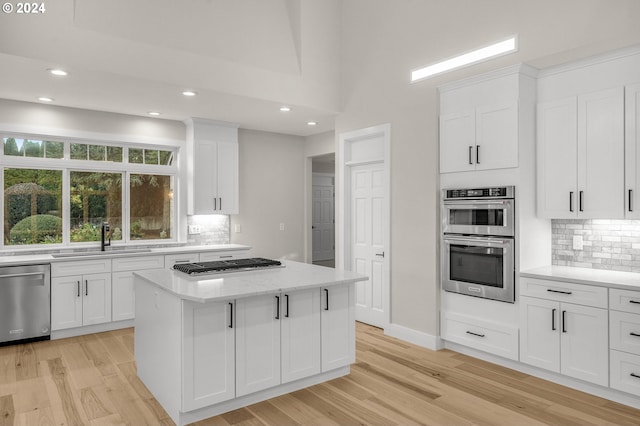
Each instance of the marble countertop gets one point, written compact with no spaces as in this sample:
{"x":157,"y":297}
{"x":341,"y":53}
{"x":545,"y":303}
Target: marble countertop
{"x":211,"y":288}
{"x":587,"y":276}
{"x":22,"y":259}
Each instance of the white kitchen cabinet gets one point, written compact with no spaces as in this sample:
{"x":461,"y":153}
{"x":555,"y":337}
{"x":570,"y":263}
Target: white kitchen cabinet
{"x":223,"y":255}
{"x":565,"y":338}
{"x":632,"y":151}
{"x":580,"y":156}
{"x":123,"y":293}
{"x":172,"y":259}
{"x":212,"y":151}
{"x":481,"y":139}
{"x":624,"y":323}
{"x":337,"y":326}
{"x":257,"y":326}
{"x":300,"y":334}
{"x":208,"y":342}
{"x":80,"y":300}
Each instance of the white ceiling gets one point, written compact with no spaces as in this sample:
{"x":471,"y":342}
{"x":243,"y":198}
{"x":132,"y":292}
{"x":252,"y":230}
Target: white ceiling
{"x":244,"y":58}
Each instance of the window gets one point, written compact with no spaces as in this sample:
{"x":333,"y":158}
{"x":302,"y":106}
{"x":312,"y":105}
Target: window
{"x":130,"y":187}
{"x":32,"y":206}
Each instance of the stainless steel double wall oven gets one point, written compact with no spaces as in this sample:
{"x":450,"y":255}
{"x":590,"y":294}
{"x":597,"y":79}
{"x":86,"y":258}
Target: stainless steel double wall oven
{"x":478,"y":246}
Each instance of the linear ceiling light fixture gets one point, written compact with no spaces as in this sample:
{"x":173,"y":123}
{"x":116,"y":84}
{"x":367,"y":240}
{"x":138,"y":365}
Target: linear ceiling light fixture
{"x":497,"y":49}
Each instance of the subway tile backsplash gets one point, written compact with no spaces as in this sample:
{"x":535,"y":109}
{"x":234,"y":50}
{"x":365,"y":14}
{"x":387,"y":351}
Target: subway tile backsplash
{"x":214,"y":229}
{"x":607,"y":244}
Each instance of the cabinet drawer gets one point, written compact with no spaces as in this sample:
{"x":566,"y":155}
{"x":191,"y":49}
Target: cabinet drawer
{"x":172,"y":259}
{"x":479,"y":334}
{"x":625,"y":372}
{"x":65,"y":269}
{"x":138,"y":263}
{"x":624,"y":300}
{"x":624,"y":331}
{"x":222,"y":255}
{"x":579,"y":294}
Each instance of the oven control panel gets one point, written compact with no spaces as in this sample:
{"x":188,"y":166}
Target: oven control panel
{"x":493,"y":192}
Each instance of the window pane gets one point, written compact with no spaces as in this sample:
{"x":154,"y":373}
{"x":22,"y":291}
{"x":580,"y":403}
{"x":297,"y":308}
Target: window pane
{"x":95,"y":198}
{"x":97,"y":152}
{"x":135,"y":156}
{"x":166,"y":158}
{"x":78,"y":151}
{"x":54,"y":149}
{"x":114,"y":153}
{"x":13,"y":147}
{"x":32,"y":202}
{"x":33,"y":148}
{"x":150,"y":156}
{"x":151,"y":207}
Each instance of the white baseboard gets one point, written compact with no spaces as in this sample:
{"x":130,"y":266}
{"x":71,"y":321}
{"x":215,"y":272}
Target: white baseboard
{"x":418,"y":338}
{"x":88,"y":329}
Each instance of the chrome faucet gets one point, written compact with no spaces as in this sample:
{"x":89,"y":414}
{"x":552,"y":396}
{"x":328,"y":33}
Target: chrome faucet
{"x":105,"y":229}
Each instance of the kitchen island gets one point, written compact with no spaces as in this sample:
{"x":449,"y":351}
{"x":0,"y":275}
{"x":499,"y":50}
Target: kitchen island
{"x":209,"y":344}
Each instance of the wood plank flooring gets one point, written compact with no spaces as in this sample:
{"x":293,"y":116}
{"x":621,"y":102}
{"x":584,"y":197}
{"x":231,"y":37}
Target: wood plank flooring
{"x":91,"y":380}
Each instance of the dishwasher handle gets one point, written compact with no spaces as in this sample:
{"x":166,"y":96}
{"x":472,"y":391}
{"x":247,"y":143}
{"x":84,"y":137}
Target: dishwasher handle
{"x":23,"y":274}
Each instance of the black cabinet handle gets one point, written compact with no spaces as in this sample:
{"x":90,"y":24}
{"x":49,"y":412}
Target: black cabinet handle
{"x":220,"y":203}
{"x":635,"y":375}
{"x":326,"y":292}
{"x":634,"y":302}
{"x":230,"y":315}
{"x":477,"y":154}
{"x":78,"y":288}
{"x":634,"y":334}
{"x":277,"y":307}
{"x":553,"y":319}
{"x":470,"y":149}
{"x":475,"y":334}
{"x":86,"y":287}
{"x":564,"y":321}
{"x":571,"y":201}
{"x":630,"y":200}
{"x":558,"y":291}
{"x":215,"y":203}
{"x":286,"y":304}
{"x":581,"y":207}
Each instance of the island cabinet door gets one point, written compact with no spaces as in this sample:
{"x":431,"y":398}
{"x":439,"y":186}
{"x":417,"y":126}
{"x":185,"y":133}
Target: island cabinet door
{"x":257,"y":343}
{"x":300,"y":334}
{"x":337,"y":324}
{"x":208,"y":354}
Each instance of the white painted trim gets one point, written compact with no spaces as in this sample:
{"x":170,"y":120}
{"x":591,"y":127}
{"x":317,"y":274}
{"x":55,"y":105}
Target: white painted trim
{"x":89,"y":329}
{"x":502,"y":72}
{"x":591,"y":60}
{"x":601,"y":391}
{"x":343,"y":252}
{"x":415,"y":337}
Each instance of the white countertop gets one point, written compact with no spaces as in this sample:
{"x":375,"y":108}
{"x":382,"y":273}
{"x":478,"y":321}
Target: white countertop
{"x":588,"y":276}
{"x":22,"y":259}
{"x":211,"y":288}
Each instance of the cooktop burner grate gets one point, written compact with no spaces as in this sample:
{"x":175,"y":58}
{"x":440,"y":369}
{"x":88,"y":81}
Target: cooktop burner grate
{"x":231,"y":265}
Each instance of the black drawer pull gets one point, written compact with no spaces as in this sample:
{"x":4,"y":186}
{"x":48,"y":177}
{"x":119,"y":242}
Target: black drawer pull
{"x":635,"y":302}
{"x":475,"y":334}
{"x":558,"y":291}
{"x":635,"y":375}
{"x":634,"y":334}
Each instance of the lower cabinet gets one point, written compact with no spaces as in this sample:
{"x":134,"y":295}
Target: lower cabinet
{"x":79,"y":300}
{"x":337,"y":327}
{"x":122,"y":283}
{"x":624,"y":330}
{"x":566,"y":338}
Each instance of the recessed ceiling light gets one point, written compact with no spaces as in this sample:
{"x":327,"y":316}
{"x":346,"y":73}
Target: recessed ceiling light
{"x":189,"y":93}
{"x":57,"y":71}
{"x":497,"y":49}
{"x":45,"y":99}
{"x":285,"y":109}
{"x":154,"y":113}
{"x":311,"y":123}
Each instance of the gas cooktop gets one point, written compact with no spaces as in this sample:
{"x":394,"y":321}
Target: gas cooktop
{"x":232,"y":265}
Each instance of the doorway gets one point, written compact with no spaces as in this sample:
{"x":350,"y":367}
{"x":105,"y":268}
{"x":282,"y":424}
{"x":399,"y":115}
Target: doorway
{"x":323,"y":210}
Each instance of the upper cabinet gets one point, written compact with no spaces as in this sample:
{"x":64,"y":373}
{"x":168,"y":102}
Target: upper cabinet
{"x":587,"y":142}
{"x":479,"y":121}
{"x":212,"y":172}
{"x":580,"y":154}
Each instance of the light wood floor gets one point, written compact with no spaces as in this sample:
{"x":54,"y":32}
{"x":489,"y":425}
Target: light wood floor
{"x":92,"y":380}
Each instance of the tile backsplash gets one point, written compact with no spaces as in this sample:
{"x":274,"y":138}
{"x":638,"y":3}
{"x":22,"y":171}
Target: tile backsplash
{"x":607,"y":244}
{"x":214,"y":229}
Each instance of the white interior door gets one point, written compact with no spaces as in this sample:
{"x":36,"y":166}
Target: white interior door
{"x":368,"y":240}
{"x":323,"y":225}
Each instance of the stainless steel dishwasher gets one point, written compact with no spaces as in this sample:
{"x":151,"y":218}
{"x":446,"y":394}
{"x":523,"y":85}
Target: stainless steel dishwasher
{"x":25,"y":303}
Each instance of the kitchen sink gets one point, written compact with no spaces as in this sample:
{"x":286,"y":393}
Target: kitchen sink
{"x":99,"y":253}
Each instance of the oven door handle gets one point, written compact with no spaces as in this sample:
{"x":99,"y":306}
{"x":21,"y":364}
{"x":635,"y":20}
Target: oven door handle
{"x":476,"y":204}
{"x":475,"y":240}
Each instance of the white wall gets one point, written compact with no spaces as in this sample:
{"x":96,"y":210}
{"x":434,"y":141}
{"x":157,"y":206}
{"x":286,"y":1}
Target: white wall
{"x":271,"y":192}
{"x":382,"y":41}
